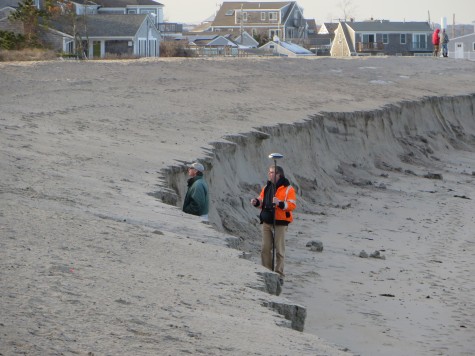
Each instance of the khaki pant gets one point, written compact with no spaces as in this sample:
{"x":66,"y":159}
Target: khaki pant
{"x":266,"y":252}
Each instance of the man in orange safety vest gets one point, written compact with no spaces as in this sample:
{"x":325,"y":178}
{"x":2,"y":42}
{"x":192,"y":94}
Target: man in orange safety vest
{"x":277,"y":203}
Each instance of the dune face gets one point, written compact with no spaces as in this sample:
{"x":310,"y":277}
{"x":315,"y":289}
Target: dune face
{"x":387,"y":183}
{"x":97,"y":257}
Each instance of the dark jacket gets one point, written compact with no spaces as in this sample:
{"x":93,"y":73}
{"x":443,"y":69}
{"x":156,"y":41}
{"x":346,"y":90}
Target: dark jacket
{"x":196,"y":198}
{"x":444,"y":38}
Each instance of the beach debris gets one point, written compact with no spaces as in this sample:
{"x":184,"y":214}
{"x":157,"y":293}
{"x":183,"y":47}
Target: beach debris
{"x":245,"y":255}
{"x":315,"y":245}
{"x":375,"y":254}
{"x":462,"y":197}
{"x":433,"y":176}
{"x":387,"y":295}
{"x":363,"y":254}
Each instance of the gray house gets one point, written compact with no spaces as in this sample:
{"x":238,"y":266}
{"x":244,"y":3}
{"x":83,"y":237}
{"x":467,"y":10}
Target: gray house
{"x":462,"y":47}
{"x":383,"y":38}
{"x":106,"y":35}
{"x":283,"y":19}
{"x":154,"y":8}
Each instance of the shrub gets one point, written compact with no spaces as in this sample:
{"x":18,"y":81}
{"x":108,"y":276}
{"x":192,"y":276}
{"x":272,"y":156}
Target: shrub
{"x":10,"y":40}
{"x":27,"y":54}
{"x":175,"y":49}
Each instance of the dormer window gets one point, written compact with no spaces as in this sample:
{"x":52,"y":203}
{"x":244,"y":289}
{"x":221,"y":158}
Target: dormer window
{"x":241,"y":16}
{"x":229,"y":13}
{"x":273,"y":16}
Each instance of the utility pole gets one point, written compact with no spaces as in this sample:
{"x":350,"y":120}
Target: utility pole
{"x":241,"y":25}
{"x":453,"y":25}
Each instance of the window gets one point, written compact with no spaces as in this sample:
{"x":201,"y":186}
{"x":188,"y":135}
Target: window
{"x":385,"y":38}
{"x":403,"y":38}
{"x":244,"y":16}
{"x":473,"y":46}
{"x":229,"y":13}
{"x":68,"y":46}
{"x":273,"y":16}
{"x":273,"y":33}
{"x":142,"y":49}
{"x":263,"y":16}
{"x":419,"y":41}
{"x":152,"y":48}
{"x":368,"y":38}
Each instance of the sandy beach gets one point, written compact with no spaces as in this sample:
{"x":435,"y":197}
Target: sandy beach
{"x":97,"y":257}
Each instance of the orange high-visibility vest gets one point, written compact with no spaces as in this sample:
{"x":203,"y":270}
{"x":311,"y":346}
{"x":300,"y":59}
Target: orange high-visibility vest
{"x":287,"y":195}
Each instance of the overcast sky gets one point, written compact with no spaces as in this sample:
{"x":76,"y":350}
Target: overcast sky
{"x":195,"y":11}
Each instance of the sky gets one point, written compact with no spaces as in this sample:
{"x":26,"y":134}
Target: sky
{"x":195,"y":11}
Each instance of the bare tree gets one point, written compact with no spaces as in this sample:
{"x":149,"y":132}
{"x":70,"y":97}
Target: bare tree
{"x":66,"y":10}
{"x":30,"y":17}
{"x":348,"y":9}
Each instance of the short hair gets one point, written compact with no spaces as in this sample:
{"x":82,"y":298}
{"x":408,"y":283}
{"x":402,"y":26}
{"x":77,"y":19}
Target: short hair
{"x":278,"y":170}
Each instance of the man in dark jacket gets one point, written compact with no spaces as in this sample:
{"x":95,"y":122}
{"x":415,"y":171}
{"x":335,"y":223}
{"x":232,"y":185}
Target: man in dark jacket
{"x":444,"y":40}
{"x":196,"y":198}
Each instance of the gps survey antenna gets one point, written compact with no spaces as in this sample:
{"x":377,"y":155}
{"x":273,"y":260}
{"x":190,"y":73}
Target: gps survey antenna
{"x":275,"y":157}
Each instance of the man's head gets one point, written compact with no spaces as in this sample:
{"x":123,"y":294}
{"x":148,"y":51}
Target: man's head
{"x":195,"y":169}
{"x":279,"y":173}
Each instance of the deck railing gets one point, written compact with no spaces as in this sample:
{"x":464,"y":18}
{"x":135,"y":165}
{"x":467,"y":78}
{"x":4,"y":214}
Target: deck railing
{"x":369,"y":46}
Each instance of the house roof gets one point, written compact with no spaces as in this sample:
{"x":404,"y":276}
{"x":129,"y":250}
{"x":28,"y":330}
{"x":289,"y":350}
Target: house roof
{"x":295,"y":48}
{"x":290,"y":48}
{"x":348,"y":40}
{"x":222,"y":19}
{"x":201,"y":27}
{"x":386,"y":26}
{"x":311,"y":23}
{"x":9,"y":3}
{"x":324,"y":39}
{"x":125,"y":3}
{"x":6,"y":11}
{"x":467,"y":36}
{"x":102,"y":25}
{"x":330,"y":27}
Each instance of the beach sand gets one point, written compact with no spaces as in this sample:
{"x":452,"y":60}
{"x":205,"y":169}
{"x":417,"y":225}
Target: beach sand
{"x":93,"y":263}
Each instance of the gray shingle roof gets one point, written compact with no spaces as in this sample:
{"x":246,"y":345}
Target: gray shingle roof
{"x":385,"y":26}
{"x":9,"y":3}
{"x":124,"y":3}
{"x":102,"y":25}
{"x":222,"y":19}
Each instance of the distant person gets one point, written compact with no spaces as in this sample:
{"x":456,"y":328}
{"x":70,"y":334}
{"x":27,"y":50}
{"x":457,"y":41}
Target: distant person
{"x":276,"y":202}
{"x":436,"y":42}
{"x":196,"y":198}
{"x":444,"y":40}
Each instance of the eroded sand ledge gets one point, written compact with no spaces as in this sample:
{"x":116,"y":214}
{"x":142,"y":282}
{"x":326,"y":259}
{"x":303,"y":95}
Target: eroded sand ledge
{"x":332,"y":150}
{"x":325,"y":150}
